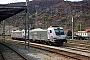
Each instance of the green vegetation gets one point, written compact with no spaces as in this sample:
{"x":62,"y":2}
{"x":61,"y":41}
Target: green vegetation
{"x":6,"y":37}
{"x":78,"y":27}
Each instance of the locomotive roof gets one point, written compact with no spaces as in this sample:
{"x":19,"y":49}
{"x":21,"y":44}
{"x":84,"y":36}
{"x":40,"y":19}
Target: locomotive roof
{"x":56,"y":27}
{"x":17,"y":31}
{"x":38,"y":29}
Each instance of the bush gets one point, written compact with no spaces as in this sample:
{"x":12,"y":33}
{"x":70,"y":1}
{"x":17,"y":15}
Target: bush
{"x":80,"y":37}
{"x":69,"y":33}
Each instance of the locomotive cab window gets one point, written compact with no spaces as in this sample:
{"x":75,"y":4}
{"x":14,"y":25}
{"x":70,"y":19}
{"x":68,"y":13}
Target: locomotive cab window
{"x":59,"y":31}
{"x":50,"y":31}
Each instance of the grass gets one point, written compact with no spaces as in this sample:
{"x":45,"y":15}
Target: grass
{"x":6,"y":37}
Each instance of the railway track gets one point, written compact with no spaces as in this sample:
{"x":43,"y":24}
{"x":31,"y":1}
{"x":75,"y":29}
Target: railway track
{"x":60,"y":51}
{"x":63,"y":52}
{"x":77,"y":48}
{"x":17,"y":55}
{"x":2,"y":56}
{"x":80,"y":43}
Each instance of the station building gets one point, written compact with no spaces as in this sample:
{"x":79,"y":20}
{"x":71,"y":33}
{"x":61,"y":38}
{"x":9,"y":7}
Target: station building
{"x":85,"y":33}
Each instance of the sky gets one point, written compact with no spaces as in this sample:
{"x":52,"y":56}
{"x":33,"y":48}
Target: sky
{"x":13,"y":1}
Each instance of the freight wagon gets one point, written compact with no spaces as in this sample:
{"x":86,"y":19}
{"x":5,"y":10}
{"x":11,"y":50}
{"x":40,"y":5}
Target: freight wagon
{"x":18,"y":34}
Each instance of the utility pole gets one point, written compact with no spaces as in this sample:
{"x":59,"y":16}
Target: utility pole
{"x":80,"y":27}
{"x":72,"y":28}
{"x":27,"y":18}
{"x":3,"y":31}
{"x":36,"y":14}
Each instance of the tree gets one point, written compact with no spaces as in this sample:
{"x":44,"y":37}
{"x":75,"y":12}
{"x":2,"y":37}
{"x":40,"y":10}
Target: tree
{"x":78,"y":27}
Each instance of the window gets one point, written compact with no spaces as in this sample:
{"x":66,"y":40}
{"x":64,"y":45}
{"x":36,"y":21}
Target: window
{"x":59,"y":31}
{"x":85,"y":33}
{"x":50,"y":31}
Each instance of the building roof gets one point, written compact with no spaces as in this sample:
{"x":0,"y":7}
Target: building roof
{"x":87,"y":30}
{"x":7,"y":11}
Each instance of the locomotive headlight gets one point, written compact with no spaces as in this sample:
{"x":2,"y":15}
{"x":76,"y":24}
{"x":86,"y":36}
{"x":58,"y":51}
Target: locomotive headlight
{"x":54,"y":38}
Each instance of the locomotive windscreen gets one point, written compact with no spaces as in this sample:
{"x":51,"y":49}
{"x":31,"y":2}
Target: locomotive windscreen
{"x":59,"y":31}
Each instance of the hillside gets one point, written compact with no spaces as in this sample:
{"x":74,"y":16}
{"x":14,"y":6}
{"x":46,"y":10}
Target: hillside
{"x":53,"y":12}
